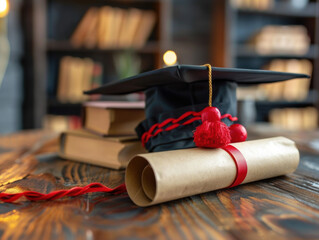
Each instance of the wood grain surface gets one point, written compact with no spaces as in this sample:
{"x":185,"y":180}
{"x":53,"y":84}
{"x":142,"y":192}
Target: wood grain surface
{"x":280,"y":208}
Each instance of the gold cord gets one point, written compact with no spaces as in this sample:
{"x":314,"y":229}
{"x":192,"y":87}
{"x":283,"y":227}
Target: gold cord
{"x":210,"y":83}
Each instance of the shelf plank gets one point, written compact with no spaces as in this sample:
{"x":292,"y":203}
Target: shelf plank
{"x":284,"y":104}
{"x":249,"y":51}
{"x":56,"y":107}
{"x":284,"y":10}
{"x":65,"y":46}
{"x":263,"y":108}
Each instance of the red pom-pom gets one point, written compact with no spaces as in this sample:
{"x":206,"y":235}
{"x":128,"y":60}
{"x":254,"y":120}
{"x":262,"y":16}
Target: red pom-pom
{"x":238,"y":133}
{"x":212,"y":135}
{"x":211,"y":114}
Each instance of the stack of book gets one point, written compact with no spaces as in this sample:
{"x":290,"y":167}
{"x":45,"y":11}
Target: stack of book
{"x":77,"y":75}
{"x":107,"y":137}
{"x":109,"y":27}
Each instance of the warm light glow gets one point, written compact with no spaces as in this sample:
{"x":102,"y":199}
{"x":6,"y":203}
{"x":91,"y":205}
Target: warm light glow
{"x":4,"y":8}
{"x":169,"y":57}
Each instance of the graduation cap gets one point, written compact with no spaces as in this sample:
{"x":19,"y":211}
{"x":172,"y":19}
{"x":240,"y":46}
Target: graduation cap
{"x":177,"y":96}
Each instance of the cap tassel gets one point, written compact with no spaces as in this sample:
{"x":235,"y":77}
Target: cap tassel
{"x":238,"y":133}
{"x":213,"y":133}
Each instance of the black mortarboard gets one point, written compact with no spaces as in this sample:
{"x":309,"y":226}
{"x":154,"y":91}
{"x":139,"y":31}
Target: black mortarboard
{"x":172,"y":91}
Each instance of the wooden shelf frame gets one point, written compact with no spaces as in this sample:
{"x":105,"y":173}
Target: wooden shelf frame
{"x":227,"y":50}
{"x":284,"y":9}
{"x":249,"y":51}
{"x":65,"y":46}
{"x":39,"y":50}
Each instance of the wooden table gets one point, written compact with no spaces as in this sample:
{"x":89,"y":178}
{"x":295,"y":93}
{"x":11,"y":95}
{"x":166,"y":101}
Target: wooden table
{"x":280,"y":208}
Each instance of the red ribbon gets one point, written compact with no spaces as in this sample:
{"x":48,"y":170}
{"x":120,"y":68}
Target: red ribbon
{"x":73,"y":192}
{"x":239,"y":159}
{"x":159,"y":127}
{"x":240,"y":162}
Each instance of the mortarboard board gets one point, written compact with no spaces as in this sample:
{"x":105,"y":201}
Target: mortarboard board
{"x":175,"y":95}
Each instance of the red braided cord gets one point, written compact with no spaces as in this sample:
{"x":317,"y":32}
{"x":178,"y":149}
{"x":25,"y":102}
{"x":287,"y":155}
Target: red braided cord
{"x":230,"y":117}
{"x":160,"y":126}
{"x":73,"y":192}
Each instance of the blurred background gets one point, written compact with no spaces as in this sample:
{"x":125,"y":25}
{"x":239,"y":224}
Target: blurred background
{"x":52,"y":50}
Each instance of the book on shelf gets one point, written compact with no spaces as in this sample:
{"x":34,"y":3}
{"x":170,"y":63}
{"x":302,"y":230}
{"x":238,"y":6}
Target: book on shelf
{"x":282,"y":39}
{"x":87,"y":23}
{"x":63,"y":83}
{"x":144,"y":30}
{"x":295,"y":118}
{"x":129,"y":27}
{"x":263,"y":5}
{"x":253,"y":4}
{"x":106,"y":25}
{"x":110,"y":118}
{"x":274,"y":91}
{"x":75,"y":76}
{"x":111,"y":152}
{"x":292,"y":90}
{"x":96,"y":79}
{"x":109,"y":27}
{"x":297,"y":89}
{"x":119,"y":16}
{"x":58,"y":123}
{"x":90,"y":38}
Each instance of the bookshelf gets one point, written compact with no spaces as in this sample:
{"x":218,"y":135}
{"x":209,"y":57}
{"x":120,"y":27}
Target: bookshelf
{"x":152,"y":47}
{"x":234,"y":27}
{"x":284,"y":9}
{"x":50,"y":25}
{"x":244,"y":51}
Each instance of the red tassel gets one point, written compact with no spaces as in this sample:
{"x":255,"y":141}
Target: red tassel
{"x":211,"y":114}
{"x":238,"y":133}
{"x":212,"y":133}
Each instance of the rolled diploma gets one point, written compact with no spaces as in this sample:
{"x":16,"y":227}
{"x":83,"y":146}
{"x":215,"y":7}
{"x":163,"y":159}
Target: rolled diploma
{"x":154,"y":178}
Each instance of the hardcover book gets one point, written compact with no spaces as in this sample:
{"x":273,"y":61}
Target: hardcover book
{"x":112,"y":118}
{"x":111,"y":152}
